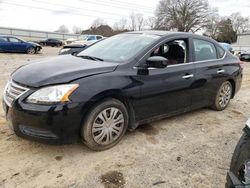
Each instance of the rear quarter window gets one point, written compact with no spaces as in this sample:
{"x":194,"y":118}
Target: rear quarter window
{"x":221,"y":52}
{"x":3,"y":39}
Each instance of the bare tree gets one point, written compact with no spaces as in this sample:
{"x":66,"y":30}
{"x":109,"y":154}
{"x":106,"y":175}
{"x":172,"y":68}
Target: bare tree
{"x":136,"y":22}
{"x":132,"y":19}
{"x":240,"y":24}
{"x":62,"y":29}
{"x":98,"y":22}
{"x":121,"y":25}
{"x":139,"y":21}
{"x":212,"y":24}
{"x":76,"y":30}
{"x":150,"y":23}
{"x":182,"y":15}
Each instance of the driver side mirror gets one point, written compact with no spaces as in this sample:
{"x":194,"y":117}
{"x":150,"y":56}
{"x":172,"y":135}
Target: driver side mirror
{"x":157,"y":62}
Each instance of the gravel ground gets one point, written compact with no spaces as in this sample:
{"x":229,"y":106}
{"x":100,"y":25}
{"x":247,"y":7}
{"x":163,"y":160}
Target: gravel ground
{"x":189,"y":150}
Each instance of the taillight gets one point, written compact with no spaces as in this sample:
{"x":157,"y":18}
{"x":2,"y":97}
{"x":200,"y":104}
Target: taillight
{"x":241,"y":64}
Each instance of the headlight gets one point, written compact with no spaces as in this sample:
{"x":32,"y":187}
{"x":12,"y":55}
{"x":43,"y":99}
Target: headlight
{"x":52,"y":94}
{"x":64,"y":50}
{"x":248,"y":123}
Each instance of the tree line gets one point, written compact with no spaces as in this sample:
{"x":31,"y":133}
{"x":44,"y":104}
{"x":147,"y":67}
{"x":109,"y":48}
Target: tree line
{"x":176,"y":15}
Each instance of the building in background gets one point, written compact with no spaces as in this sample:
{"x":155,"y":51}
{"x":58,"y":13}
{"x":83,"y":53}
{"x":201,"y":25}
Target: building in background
{"x":243,"y":42}
{"x":31,"y":35}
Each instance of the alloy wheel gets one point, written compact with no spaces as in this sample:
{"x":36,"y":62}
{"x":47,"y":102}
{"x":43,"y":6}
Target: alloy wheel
{"x":225,"y":95}
{"x":31,"y":51}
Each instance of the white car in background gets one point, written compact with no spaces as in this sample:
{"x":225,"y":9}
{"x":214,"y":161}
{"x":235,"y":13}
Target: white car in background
{"x":85,"y":39}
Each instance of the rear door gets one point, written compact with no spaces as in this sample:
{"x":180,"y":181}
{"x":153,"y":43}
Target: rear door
{"x":210,"y":71}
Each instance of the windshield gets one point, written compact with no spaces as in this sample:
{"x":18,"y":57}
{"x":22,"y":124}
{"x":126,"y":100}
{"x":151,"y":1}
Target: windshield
{"x":120,"y":48}
{"x":83,"y":37}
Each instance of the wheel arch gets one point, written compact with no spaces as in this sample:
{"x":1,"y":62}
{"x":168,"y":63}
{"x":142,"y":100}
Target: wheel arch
{"x":233,"y":87}
{"x":115,"y":94}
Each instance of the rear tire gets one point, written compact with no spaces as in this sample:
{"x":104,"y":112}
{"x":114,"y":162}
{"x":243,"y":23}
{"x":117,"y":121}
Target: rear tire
{"x":105,"y":125}
{"x":223,"y":96}
{"x":240,"y":155}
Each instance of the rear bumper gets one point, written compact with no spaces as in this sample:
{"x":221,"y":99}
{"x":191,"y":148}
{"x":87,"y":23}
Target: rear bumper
{"x":59,"y":124}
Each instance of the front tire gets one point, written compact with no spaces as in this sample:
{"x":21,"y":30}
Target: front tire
{"x":105,"y":125}
{"x":31,"y":50}
{"x":223,"y":96}
{"x":240,"y":155}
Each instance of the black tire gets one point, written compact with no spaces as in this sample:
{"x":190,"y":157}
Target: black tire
{"x":216,"y":103}
{"x":240,"y":155}
{"x":31,"y":50}
{"x":87,"y":133}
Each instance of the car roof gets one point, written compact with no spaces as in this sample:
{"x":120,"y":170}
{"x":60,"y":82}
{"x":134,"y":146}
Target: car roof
{"x":161,"y":33}
{"x":164,"y":34}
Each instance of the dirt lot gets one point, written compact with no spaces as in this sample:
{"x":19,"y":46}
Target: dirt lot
{"x":190,"y":150}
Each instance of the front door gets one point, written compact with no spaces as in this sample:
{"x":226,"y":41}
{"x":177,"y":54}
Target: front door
{"x":167,"y":91}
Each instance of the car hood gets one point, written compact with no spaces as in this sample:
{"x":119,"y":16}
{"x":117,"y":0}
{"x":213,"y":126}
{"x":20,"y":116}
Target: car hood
{"x":58,"y":70}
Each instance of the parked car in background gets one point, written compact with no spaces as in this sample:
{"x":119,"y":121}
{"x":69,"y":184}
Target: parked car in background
{"x":117,"y":84}
{"x":239,"y":173}
{"x":226,"y":46}
{"x":245,"y":56}
{"x":72,"y":49}
{"x":51,"y":42}
{"x":91,"y":37}
{"x":75,"y":49}
{"x":86,"y":39}
{"x":14,"y":44}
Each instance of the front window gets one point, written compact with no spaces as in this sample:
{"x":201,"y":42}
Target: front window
{"x":175,"y":51}
{"x":120,"y":48}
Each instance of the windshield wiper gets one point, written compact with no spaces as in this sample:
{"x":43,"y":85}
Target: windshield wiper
{"x":91,"y":58}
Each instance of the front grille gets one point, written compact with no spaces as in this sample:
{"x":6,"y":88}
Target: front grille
{"x":12,"y":92}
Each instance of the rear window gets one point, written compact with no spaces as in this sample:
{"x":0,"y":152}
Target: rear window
{"x":204,"y":50}
{"x":3,"y":39}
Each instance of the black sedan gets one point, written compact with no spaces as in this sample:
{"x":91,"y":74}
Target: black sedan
{"x":51,"y":42}
{"x":15,"y":44}
{"x":245,"y":57}
{"x":118,"y":84}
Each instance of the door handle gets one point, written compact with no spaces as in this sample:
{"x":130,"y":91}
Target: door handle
{"x":220,"y":71}
{"x":188,"y":76}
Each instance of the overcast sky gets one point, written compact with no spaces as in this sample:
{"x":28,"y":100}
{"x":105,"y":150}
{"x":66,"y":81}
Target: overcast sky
{"x":48,"y":15}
